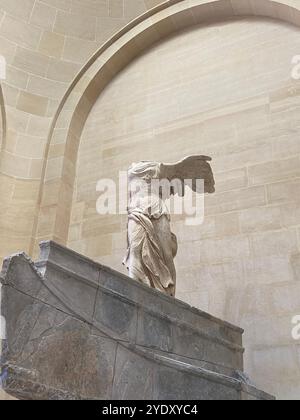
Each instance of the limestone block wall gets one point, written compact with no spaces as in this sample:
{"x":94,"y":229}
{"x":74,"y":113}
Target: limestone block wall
{"x":224,"y":90}
{"x":45,"y":43}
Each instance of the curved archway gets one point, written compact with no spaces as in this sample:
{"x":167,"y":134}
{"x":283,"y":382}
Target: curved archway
{"x":59,"y":168}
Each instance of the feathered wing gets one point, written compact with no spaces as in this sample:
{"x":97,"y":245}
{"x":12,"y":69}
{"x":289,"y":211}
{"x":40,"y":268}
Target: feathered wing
{"x":196,"y":168}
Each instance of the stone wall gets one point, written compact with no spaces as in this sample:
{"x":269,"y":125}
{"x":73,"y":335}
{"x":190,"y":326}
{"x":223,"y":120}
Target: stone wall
{"x":105,"y":336}
{"x":249,"y":269}
{"x":45,"y":44}
{"x":225,"y":91}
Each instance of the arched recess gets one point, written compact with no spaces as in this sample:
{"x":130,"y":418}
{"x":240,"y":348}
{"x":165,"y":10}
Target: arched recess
{"x":59,"y":171}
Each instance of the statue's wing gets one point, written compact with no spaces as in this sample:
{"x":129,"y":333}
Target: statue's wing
{"x":195,"y":168}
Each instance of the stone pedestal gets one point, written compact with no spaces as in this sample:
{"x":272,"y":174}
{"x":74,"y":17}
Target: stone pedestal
{"x":79,"y":330}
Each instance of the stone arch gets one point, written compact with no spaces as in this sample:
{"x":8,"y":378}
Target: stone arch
{"x":59,"y":170}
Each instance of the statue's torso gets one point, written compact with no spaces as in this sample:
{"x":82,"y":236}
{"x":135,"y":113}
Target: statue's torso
{"x":143,"y":197}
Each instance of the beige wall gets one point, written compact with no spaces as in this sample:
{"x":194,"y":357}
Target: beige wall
{"x":226,"y":91}
{"x":45,"y":43}
{"x":250,"y":232}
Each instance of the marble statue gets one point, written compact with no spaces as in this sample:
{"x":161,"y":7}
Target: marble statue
{"x":152,"y":246}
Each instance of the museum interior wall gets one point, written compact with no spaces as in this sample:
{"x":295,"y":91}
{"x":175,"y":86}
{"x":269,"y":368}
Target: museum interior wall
{"x":223,"y":89}
{"x":45,"y":44}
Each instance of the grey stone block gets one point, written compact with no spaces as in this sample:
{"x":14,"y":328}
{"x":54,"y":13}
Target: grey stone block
{"x":78,"y":330}
{"x":217,"y":368}
{"x":21,"y":313}
{"x":98,"y":366}
{"x":21,"y":385}
{"x":119,"y":284}
{"x":115,"y":316}
{"x":192,"y":343}
{"x":20,"y":273}
{"x":155,"y":332}
{"x":211,"y":326}
{"x":57,"y":255}
{"x":134,"y":376}
{"x":57,"y":357}
{"x":176,"y":385}
{"x":77,"y":295}
{"x":50,"y":296}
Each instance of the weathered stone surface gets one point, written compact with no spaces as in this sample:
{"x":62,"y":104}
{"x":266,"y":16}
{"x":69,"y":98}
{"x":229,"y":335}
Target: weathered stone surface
{"x":134,"y":376}
{"x":78,"y":294}
{"x":22,"y":274}
{"x":22,"y":312}
{"x":176,"y":385}
{"x":57,"y":357}
{"x":115,"y":315}
{"x":191,"y":343}
{"x":118,"y":283}
{"x":155,"y":332}
{"x":98,"y":368}
{"x":69,"y":337}
{"x":63,"y":258}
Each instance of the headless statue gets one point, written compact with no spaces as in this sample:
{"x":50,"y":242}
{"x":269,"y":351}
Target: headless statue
{"x":152,"y":246}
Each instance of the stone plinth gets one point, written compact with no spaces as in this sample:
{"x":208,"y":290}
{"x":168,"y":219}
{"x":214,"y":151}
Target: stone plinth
{"x":79,"y":330}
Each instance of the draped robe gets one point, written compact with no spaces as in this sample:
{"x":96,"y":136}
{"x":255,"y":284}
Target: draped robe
{"x":152,"y":246}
